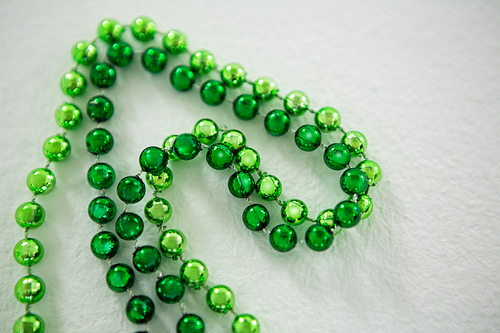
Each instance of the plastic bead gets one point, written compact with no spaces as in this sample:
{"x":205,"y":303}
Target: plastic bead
{"x":129,"y":226}
{"x":99,"y":141}
{"x":319,"y":237}
{"x":153,"y":160}
{"x":110,"y":30}
{"x":154,"y":60}
{"x":104,"y":245}
{"x":256,"y":217}
{"x":347,"y":214}
{"x":213,"y":92}
{"x":186,"y":146}
{"x":220,"y":299}
{"x":219,"y":156}
{"x":206,"y":130}
{"x":283,"y":238}
{"x":245,"y":323}
{"x":101,"y":175}
{"x":131,"y":189}
{"x":102,"y":75}
{"x":169,"y":289}
{"x":233,"y":75}
{"x":157,"y":211}
{"x":326,"y":217}
{"x":190,"y":323}
{"x":28,"y":252}
{"x":73,"y":84}
{"x":246,"y":106}
{"x":146,"y":259}
{"x":29,"y":323}
{"x":265,"y":89}
{"x":41,"y":181}
{"x":355,"y":141}
{"x":337,"y":156}
{"x":102,"y":210}
{"x":84,"y":53}
{"x":268,"y":187}
{"x":247,"y":159}
{"x":277,"y":122}
{"x":120,"y":278}
{"x":354,"y":181}
{"x":175,"y":42}
{"x":30,"y":215}
{"x":140,"y":309}
{"x":327,"y":119}
{"x":294,"y":212}
{"x":372,"y":171}
{"x":172,"y":243}
{"x":161,"y":181}
{"x":182,"y":78}
{"x":233,"y":138}
{"x":68,"y":116}
{"x":202,"y":62}
{"x":168,"y":145}
{"x":120,"y":54}
{"x":194,"y":273}
{"x":308,"y":137}
{"x":296,"y":103}
{"x":365,"y":203}
{"x":241,"y":184}
{"x":143,"y":29}
{"x":100,"y":108}
{"x":29,"y":289}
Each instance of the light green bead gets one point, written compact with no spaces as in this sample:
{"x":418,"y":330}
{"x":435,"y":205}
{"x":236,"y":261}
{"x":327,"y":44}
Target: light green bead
{"x":233,"y":75}
{"x":294,"y":212}
{"x":355,"y":141}
{"x":194,"y":273}
{"x":161,"y":181}
{"x":157,"y":211}
{"x":202,"y":62}
{"x":41,"y":181}
{"x":29,"y":323}
{"x":327,"y":119}
{"x":247,"y":159}
{"x":68,"y":116}
{"x":30,"y":215}
{"x":268,"y":187}
{"x":56,"y":148}
{"x":84,"y":53}
{"x":143,"y":29}
{"x":175,"y":42}
{"x":233,"y":138}
{"x":29,"y":289}
{"x":365,"y":203}
{"x":73,"y":84}
{"x":110,"y":30}
{"x":372,"y":170}
{"x":172,"y":243}
{"x":326,"y":217}
{"x":245,"y":323}
{"x":296,"y":103}
{"x":206,"y":130}
{"x":220,"y":299}
{"x":28,"y":252}
{"x":168,"y":144}
{"x":265,"y":89}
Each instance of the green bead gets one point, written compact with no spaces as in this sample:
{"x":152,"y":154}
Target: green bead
{"x":308,"y":137}
{"x":268,"y":187}
{"x":365,"y":203}
{"x":277,"y":122}
{"x":354,"y":181}
{"x":233,"y":138}
{"x":327,"y":119}
{"x":102,"y":75}
{"x":29,"y":323}
{"x":347,"y":214}
{"x":140,"y":309}
{"x":372,"y":171}
{"x":213,"y":92}
{"x":73,"y":84}
{"x":219,"y":156}
{"x":143,"y":29}
{"x":131,"y":189}
{"x":104,"y":245}
{"x":120,"y":278}
{"x":256,"y":217}
{"x":327,"y":218}
{"x":245,"y":323}
{"x":190,"y":323}
{"x":206,"y":130}
{"x":129,"y":226}
{"x":68,"y":116}
{"x":172,"y":243}
{"x":29,"y":289}
{"x":169,"y":289}
{"x":194,"y":273}
{"x":220,"y":299}
{"x":246,"y":106}
{"x":182,"y":78}
{"x":241,"y":184}
{"x":99,"y":141}
{"x":154,"y":60}
{"x":84,"y":53}
{"x":294,"y":212}
{"x":41,"y":181}
{"x":202,"y":62}
{"x":153,"y":160}
{"x":100,"y":176}
{"x":319,"y":237}
{"x":265,"y":89}
{"x":296,"y":103}
{"x":30,"y":215}
{"x":233,"y":75}
{"x":100,"y":108}
{"x":146,"y":259}
{"x":186,"y":146}
{"x":247,"y":159}
{"x":102,"y":210}
{"x":161,"y":181}
{"x":168,"y":144}
{"x":110,"y":30}
{"x":157,"y":211}
{"x":355,"y":141}
{"x":28,"y":252}
{"x":175,"y":42}
{"x":337,"y":156}
{"x":120,"y":54}
{"x":283,"y":238}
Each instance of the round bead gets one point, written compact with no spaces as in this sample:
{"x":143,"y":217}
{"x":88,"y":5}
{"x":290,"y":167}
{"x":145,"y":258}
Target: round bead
{"x":365,"y":203}
{"x":219,"y":156}
{"x":202,"y":62}
{"x":206,"y":130}
{"x":29,"y":323}
{"x":296,"y":103}
{"x":372,"y":171}
{"x":337,"y":156}
{"x":100,"y":108}
{"x":220,"y":299}
{"x":120,"y":277}
{"x":265,"y":88}
{"x":347,"y":214}
{"x":41,"y":181}
{"x":110,"y":30}
{"x":213,"y":92}
{"x":308,"y":137}
{"x":146,"y":259}
{"x":326,"y":218}
{"x":154,"y":60}
{"x":84,"y":53}
{"x":102,"y":210}
{"x":157,"y":211}
{"x":247,"y":159}
{"x":246,"y":106}
{"x":102,"y":75}
{"x":327,"y":119}
{"x":283,"y":238}
{"x":104,"y":245}
{"x":140,"y":309}
{"x":354,"y":181}
{"x":268,"y":187}
{"x":29,"y":289}
{"x":294,"y":212}
{"x":120,"y":54}
{"x":186,"y":146}
{"x":153,"y":160}
{"x":30,"y":215}
{"x":129,"y":226}
{"x":256,"y":217}
{"x":245,"y":323}
{"x":131,"y":189}
{"x":194,"y":273}
{"x":161,"y":181}
{"x":355,"y":141}
{"x":101,"y":175}
{"x":99,"y":141}
{"x":28,"y":252}
{"x":143,"y":29}
{"x":277,"y":122}
{"x":172,"y":243}
{"x":68,"y":116}
{"x":73,"y":84}
{"x":233,"y":75}
{"x":175,"y":42}
{"x":182,"y":78}
{"x":168,"y":144}
{"x":190,"y":323}
{"x":233,"y":138}
{"x":169,"y":289}
{"x":241,"y":184}
{"x":319,"y":237}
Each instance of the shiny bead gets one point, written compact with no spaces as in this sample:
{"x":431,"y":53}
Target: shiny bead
{"x":28,"y":252}
{"x":129,"y":226}
{"x":246,"y":106}
{"x":337,"y":156}
{"x":29,"y":323}
{"x":146,"y":259}
{"x":84,"y":53}
{"x":175,"y":42}
{"x":277,"y":122}
{"x":326,"y":217}
{"x":120,"y":54}
{"x":154,"y":60}
{"x":172,"y":243}
{"x":268,"y":187}
{"x":101,"y":175}
{"x":120,"y":277}
{"x":354,"y":181}
{"x":100,"y":108}
{"x":193,"y":273}
{"x":41,"y":181}
{"x":296,"y":103}
{"x":186,"y":146}
{"x":157,"y":211}
{"x":319,"y":237}
{"x":68,"y":116}
{"x":169,"y":289}
{"x":327,"y":119}
{"x":202,"y":62}
{"x":206,"y":130}
{"x":233,"y":75}
{"x":30,"y":215}
{"x":220,"y":299}
{"x":247,"y":159}
{"x":153,"y":160}
{"x":143,"y":29}
{"x":256,"y":217}
{"x":219,"y":156}
{"x":355,"y":141}
{"x":99,"y":141}
{"x":241,"y":184}
{"x":233,"y":138}
{"x":294,"y":212}
{"x":347,"y":214}
{"x":308,"y":137}
{"x":245,"y":323}
{"x":102,"y":75}
{"x":365,"y":204}
{"x":29,"y":289}
{"x":213,"y":92}
{"x":190,"y":323}
{"x":283,"y":238}
{"x":182,"y":78}
{"x":140,"y":309}
{"x":104,"y":245}
{"x":73,"y":84}
{"x":161,"y":181}
{"x":110,"y":30}
{"x":102,"y":210}
{"x":168,"y":144}
{"x":372,"y":171}
{"x":131,"y":189}
{"x":265,"y":89}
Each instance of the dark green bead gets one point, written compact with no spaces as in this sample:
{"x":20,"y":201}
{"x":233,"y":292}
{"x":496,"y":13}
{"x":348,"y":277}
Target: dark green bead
{"x":194,"y":273}
{"x":319,"y":237}
{"x":140,"y":309}
{"x":245,"y":323}
{"x":100,"y":175}
{"x":100,"y":108}
{"x":102,"y":210}
{"x":120,"y":54}
{"x":219,"y":156}
{"x":202,"y":62}
{"x":213,"y":92}
{"x":146,"y":259}
{"x":110,"y":30}
{"x":99,"y":141}
{"x":277,"y":122}
{"x":247,"y":159}
{"x":30,"y":215}
{"x":206,"y":131}
{"x":131,"y":189}
{"x":268,"y":187}
{"x":175,"y":42}
{"x":182,"y":78}
{"x":143,"y":29}
{"x":327,"y":119}
{"x":220,"y":299}
{"x":241,"y":184}
{"x":190,"y":323}
{"x":246,"y":106}
{"x":28,"y":252}
{"x":296,"y":103}
{"x":355,"y":141}
{"x":68,"y":116}
{"x":153,"y":160}
{"x":283,"y":238}
{"x":169,"y":289}
{"x":168,"y":145}
{"x":308,"y":137}
{"x":294,"y":212}
{"x":29,"y":289}
{"x":29,"y":323}
{"x":233,"y":75}
{"x":154,"y":60}
{"x":186,"y":146}
{"x":265,"y":88}
{"x":354,"y":181}
{"x":233,"y":138}
{"x":347,"y":214}
{"x":129,"y":226}
{"x":102,"y":75}
{"x":157,"y":210}
{"x":120,"y":277}
{"x":256,"y":217}
{"x":73,"y":84}
{"x":172,"y":243}
{"x":161,"y":181}
{"x":104,"y":245}
{"x":337,"y":156}
{"x":84,"y":53}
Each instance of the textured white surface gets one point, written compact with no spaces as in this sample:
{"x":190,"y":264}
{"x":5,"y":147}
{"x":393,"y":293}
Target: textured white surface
{"x":420,"y":80}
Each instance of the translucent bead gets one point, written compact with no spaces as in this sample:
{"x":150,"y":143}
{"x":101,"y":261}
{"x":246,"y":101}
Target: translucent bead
{"x":68,"y":116}
{"x":28,"y":252}
{"x":101,"y":175}
{"x":29,"y":323}
{"x":104,"y":245}
{"x":169,"y":144}
{"x":146,"y":259}
{"x":326,"y":217}
{"x":372,"y":171}
{"x":153,"y":160}
{"x":246,"y":106}
{"x":102,"y":210}
{"x":206,"y":130}
{"x":169,"y":289}
{"x":245,"y":323}
{"x":308,"y":137}
{"x":131,"y":189}
{"x":256,"y":217}
{"x":129,"y":226}
{"x":41,"y":181}
{"x":220,"y":299}
{"x":84,"y":53}
{"x":241,"y":184}
{"x":268,"y":187}
{"x":120,"y":278}
{"x":296,"y":103}
{"x":354,"y":181}
{"x":233,"y":75}
{"x":99,"y":141}
{"x":247,"y":159}
{"x":175,"y":42}
{"x":337,"y":156}
{"x":182,"y":78}
{"x":73,"y":84}
{"x":277,"y":122}
{"x":120,"y":54}
{"x":29,"y":289}
{"x":161,"y":181}
{"x":194,"y":273}
{"x":294,"y":212}
{"x":319,"y":237}
{"x":186,"y":146}
{"x":100,"y":108}
{"x":213,"y":92}
{"x":140,"y":309}
{"x":233,"y":138}
{"x":30,"y":215}
{"x":347,"y":214}
{"x":327,"y":119}
{"x":219,"y":156}
{"x":365,"y":203}
{"x":143,"y":29}
{"x":202,"y":62}
{"x":190,"y":323}
{"x":265,"y":89}
{"x":283,"y":238}
{"x":172,"y":243}
{"x":102,"y":75}
{"x":355,"y":141}
{"x":154,"y":60}
{"x":157,"y":211}
{"x":110,"y":30}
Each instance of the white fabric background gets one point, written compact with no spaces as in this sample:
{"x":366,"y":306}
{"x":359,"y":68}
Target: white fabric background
{"x":420,"y":79}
